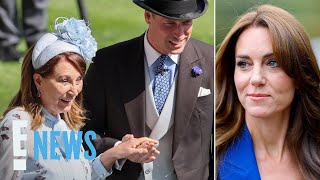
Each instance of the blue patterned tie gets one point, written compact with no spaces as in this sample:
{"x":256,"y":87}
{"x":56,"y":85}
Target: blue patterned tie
{"x":161,"y":83}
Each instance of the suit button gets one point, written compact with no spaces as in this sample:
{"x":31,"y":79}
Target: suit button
{"x":147,"y":171}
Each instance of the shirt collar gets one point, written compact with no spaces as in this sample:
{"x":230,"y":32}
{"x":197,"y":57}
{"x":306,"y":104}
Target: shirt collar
{"x":152,"y":55}
{"x":49,"y":117}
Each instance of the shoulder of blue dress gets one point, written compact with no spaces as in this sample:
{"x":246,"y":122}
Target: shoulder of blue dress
{"x":18,"y":113}
{"x":240,"y":155}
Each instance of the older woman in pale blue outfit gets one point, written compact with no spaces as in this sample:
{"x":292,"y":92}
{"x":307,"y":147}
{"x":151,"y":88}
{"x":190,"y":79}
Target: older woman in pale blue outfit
{"x":50,"y":99}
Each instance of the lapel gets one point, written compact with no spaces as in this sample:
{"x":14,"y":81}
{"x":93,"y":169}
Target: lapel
{"x":165,"y":120}
{"x":132,"y":86}
{"x":239,"y":161}
{"x":186,"y":91}
{"x":152,"y":115}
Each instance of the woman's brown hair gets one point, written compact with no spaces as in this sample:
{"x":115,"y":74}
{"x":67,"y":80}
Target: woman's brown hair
{"x":27,"y":96}
{"x":293,"y":51}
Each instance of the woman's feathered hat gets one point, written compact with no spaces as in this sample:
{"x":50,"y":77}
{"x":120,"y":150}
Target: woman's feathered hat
{"x":72,"y":35}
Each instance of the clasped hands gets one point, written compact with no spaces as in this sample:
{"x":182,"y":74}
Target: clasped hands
{"x":138,"y":150}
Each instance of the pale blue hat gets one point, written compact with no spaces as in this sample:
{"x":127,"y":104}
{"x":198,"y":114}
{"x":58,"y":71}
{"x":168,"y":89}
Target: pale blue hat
{"x":72,"y":35}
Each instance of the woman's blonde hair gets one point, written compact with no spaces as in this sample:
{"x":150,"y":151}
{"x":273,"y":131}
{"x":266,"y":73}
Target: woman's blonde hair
{"x":293,"y":51}
{"x":27,"y":95}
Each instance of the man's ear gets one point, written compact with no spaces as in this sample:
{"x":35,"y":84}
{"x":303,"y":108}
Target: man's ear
{"x":37,"y":79}
{"x":147,"y":16}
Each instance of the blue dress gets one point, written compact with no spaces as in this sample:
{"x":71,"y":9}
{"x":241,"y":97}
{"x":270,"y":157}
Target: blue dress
{"x":239,"y":161}
{"x":78,"y":169}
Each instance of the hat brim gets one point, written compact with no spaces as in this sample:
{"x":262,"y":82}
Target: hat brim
{"x":202,"y":8}
{"x":49,"y":46}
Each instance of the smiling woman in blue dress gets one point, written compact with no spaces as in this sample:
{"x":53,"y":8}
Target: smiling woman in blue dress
{"x":267,"y":106}
{"x":50,"y":99}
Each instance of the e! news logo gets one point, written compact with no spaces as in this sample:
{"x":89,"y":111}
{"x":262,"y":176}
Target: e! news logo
{"x":69,"y":141}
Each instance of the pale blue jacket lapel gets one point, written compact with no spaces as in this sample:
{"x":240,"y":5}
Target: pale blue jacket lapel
{"x":239,"y":161}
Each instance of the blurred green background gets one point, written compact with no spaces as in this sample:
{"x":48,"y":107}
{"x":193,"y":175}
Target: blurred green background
{"x":111,"y":21}
{"x":306,"y":11}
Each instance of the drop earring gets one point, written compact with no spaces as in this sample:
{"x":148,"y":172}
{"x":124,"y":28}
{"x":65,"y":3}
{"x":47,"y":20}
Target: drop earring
{"x":38,"y":93}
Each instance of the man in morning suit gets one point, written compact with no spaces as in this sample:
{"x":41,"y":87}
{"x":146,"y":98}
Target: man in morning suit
{"x":158,"y":85}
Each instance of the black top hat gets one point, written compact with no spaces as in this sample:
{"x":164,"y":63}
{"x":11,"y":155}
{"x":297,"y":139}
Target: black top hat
{"x":175,"y":9}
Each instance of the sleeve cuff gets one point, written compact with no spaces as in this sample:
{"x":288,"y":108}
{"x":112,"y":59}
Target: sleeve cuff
{"x":117,"y":143}
{"x":120,"y":162}
{"x":98,"y":169}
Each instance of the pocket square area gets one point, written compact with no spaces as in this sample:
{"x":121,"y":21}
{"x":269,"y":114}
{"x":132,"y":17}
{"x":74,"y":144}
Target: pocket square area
{"x":203,"y":92}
